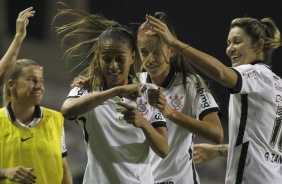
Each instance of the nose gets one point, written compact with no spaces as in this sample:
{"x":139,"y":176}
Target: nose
{"x":151,"y":59}
{"x":113,"y":65}
{"x":39,"y":84}
{"x":230,"y":49}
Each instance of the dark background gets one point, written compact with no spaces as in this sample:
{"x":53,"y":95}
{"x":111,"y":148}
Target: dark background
{"x":204,"y":24}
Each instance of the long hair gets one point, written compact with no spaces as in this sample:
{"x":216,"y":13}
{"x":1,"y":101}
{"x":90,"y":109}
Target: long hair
{"x":178,"y":62}
{"x":80,"y":38}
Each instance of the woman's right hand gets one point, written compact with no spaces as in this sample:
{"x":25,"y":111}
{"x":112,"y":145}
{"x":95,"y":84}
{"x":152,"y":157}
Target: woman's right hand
{"x":22,"y":21}
{"x":130,"y":91}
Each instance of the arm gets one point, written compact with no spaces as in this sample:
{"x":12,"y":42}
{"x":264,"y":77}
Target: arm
{"x":206,"y":152}
{"x":67,"y":178}
{"x":209,"y":128}
{"x":202,"y":61}
{"x":157,"y":138}
{"x":77,"y":106}
{"x":18,"y":174}
{"x":9,"y":59}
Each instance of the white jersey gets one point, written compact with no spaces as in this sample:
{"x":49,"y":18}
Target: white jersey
{"x":178,"y":167}
{"x":255,"y":137}
{"x":118,"y":153}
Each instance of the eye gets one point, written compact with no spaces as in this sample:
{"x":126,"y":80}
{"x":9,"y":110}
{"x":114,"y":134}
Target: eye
{"x":120,"y":59}
{"x":144,"y":52}
{"x":106,"y":59}
{"x":31,"y":80}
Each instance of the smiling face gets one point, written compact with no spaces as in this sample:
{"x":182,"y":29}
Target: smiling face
{"x":29,"y":86}
{"x":115,"y":58}
{"x":241,"y":49}
{"x":154,"y":55}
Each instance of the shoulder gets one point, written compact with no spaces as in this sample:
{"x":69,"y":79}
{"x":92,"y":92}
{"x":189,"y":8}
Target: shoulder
{"x":51,"y":112}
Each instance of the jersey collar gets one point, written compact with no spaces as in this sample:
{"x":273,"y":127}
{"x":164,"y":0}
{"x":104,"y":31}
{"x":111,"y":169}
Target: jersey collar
{"x":169,"y":79}
{"x":260,"y":62}
{"x":37,"y":112}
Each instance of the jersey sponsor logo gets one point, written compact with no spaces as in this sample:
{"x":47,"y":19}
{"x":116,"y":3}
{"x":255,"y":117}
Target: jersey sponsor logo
{"x":277,"y":126}
{"x":248,"y":74}
{"x":165,"y":182}
{"x":273,"y":158}
{"x":277,"y":83}
{"x":176,"y":101}
{"x":81,"y":91}
{"x":119,"y":116}
{"x":204,"y":99}
{"x":141,"y":106}
{"x":159,"y":116}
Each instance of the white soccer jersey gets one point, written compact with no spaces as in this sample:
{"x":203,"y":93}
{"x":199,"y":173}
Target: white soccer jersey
{"x":255,"y":120}
{"x":117,"y":152}
{"x":178,"y":167}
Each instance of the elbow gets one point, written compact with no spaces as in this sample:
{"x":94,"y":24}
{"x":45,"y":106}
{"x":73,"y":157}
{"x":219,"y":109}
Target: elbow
{"x":218,"y":138}
{"x":66,"y":112}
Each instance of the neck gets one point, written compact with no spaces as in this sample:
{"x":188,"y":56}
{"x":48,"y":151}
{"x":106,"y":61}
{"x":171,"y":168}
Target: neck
{"x":23,"y":113}
{"x":159,"y":79}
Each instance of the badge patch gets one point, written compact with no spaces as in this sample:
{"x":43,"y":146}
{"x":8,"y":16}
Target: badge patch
{"x":176,"y":101}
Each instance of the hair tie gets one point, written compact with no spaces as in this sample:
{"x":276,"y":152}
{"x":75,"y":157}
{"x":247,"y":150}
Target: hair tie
{"x":144,"y":31}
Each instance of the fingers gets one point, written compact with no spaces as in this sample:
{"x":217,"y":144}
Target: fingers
{"x":156,"y":23}
{"x":21,"y":175}
{"x":29,"y":12}
{"x":80,"y":81}
{"x":128,"y":107}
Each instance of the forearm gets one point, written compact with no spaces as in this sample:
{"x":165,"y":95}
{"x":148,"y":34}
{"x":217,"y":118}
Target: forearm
{"x":157,"y":139}
{"x":77,"y":106}
{"x":67,"y":177}
{"x":8,"y":60}
{"x":210,"y":130}
{"x":209,"y":65}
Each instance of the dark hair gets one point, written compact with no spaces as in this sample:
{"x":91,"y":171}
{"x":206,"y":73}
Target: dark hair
{"x":264,"y":29}
{"x":80,"y":39}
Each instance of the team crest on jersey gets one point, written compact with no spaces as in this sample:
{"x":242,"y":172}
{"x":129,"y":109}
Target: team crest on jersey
{"x":141,"y":106}
{"x":176,"y":101}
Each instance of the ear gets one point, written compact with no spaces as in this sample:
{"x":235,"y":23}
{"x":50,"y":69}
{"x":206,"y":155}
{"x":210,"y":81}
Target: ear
{"x":171,"y":53}
{"x":259,"y":45}
{"x":11,"y":85}
{"x":132,"y":58}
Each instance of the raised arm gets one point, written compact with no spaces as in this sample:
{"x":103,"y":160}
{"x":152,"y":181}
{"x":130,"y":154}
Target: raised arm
{"x":10,"y":57}
{"x":202,"y":61}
